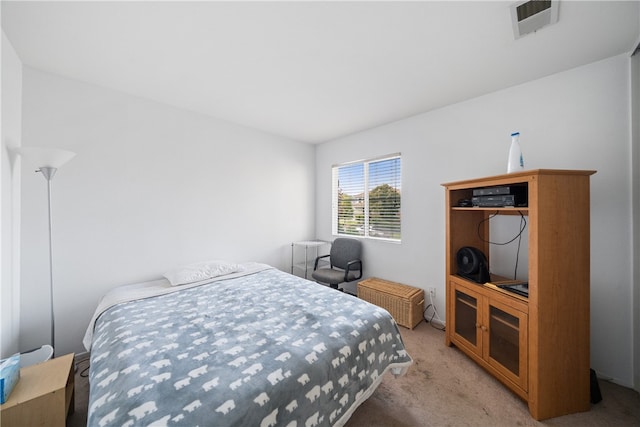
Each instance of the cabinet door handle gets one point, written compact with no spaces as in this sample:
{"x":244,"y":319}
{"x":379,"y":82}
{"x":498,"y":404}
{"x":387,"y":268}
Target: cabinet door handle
{"x":477,"y":325}
{"x":484,"y":328}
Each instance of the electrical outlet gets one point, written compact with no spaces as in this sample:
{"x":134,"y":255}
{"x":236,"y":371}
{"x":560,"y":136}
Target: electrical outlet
{"x":432,"y":292}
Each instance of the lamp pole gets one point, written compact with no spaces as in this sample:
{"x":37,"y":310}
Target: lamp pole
{"x":48,"y":161}
{"x":48,"y":173}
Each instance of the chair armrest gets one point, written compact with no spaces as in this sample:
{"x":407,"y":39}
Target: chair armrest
{"x":353,"y":265}
{"x":315,"y":265}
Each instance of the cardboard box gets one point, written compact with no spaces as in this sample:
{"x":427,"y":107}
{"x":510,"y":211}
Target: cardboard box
{"x":9,"y":376}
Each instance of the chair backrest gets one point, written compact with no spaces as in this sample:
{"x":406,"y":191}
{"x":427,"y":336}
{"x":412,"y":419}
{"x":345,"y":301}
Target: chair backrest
{"x":344,"y":250}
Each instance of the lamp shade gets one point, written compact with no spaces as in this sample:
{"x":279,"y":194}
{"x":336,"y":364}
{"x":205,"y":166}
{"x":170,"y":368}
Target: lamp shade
{"x":44,"y":157}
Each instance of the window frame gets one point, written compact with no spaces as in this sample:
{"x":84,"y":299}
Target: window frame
{"x":366,"y":179}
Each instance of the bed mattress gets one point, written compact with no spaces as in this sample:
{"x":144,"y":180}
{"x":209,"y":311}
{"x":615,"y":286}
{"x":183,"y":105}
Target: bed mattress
{"x":262,"y":348}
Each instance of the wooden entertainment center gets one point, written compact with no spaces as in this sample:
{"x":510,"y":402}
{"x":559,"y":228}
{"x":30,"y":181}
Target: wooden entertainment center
{"x":537,"y":346}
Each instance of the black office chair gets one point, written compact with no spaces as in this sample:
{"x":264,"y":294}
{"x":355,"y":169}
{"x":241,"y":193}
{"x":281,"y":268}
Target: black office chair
{"x":345,"y":263}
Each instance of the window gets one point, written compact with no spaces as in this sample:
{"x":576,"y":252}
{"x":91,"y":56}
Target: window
{"x":366,"y":198}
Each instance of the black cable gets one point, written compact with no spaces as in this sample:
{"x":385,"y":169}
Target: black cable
{"x":515,"y":271}
{"x":523,"y":226}
{"x":430,"y":321}
{"x":85,"y":372}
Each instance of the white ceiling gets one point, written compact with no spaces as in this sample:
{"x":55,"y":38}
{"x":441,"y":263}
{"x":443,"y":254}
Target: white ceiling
{"x":310,"y":71}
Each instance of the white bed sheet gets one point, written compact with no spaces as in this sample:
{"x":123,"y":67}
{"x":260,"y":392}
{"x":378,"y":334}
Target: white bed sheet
{"x":126,"y":293}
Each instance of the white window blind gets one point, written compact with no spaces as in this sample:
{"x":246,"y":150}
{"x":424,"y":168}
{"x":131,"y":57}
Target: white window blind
{"x":367,"y":198}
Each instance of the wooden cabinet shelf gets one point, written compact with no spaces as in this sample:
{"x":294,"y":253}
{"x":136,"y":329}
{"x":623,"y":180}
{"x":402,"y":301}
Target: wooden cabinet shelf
{"x":537,"y":346}
{"x":505,"y":322}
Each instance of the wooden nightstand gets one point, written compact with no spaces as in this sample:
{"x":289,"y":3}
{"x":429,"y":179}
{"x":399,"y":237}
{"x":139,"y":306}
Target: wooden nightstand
{"x":43,"y":396}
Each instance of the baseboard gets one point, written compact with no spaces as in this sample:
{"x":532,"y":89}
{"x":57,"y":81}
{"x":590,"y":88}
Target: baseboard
{"x":81,"y":357}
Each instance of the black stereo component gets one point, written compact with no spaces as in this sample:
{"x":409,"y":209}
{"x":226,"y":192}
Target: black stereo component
{"x":505,"y":200}
{"x":472,"y":264}
{"x":491,"y":191}
{"x":500,"y":197}
{"x":521,"y":289}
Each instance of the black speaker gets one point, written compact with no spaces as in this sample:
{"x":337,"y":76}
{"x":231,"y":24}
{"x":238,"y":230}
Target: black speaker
{"x":596,"y":396}
{"x":472,"y":264}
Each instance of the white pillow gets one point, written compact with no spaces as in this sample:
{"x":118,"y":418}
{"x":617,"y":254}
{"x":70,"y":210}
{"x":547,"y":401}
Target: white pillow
{"x":201,"y":271}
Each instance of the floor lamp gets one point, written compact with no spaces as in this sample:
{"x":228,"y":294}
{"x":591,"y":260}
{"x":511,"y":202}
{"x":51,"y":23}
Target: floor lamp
{"x":48,"y":160}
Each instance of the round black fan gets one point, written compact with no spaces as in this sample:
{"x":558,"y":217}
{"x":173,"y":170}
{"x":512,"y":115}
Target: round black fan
{"x":472,"y":264}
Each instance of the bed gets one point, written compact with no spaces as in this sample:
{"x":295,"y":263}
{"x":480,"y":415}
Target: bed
{"x":250,"y":347}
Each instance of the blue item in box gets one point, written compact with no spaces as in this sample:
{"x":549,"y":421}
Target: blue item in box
{"x":9,"y":376}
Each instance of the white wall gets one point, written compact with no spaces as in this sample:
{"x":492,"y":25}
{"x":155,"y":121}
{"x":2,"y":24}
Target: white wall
{"x":10,"y":212}
{"x":151,"y":187}
{"x":577,"y":119}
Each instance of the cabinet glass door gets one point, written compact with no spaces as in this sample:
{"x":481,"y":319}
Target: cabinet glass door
{"x":466,"y":315}
{"x":504,"y":339}
{"x":507,"y":350}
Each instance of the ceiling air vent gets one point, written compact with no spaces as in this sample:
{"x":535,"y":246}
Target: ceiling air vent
{"x":529,"y":16}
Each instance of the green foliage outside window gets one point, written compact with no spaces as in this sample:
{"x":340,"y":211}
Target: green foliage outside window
{"x":376,"y":213}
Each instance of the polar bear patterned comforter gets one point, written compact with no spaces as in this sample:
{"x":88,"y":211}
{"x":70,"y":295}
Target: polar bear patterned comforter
{"x":263,"y":349}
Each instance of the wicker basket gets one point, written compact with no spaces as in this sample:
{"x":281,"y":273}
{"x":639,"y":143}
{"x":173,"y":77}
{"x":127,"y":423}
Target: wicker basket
{"x":405,"y":303}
